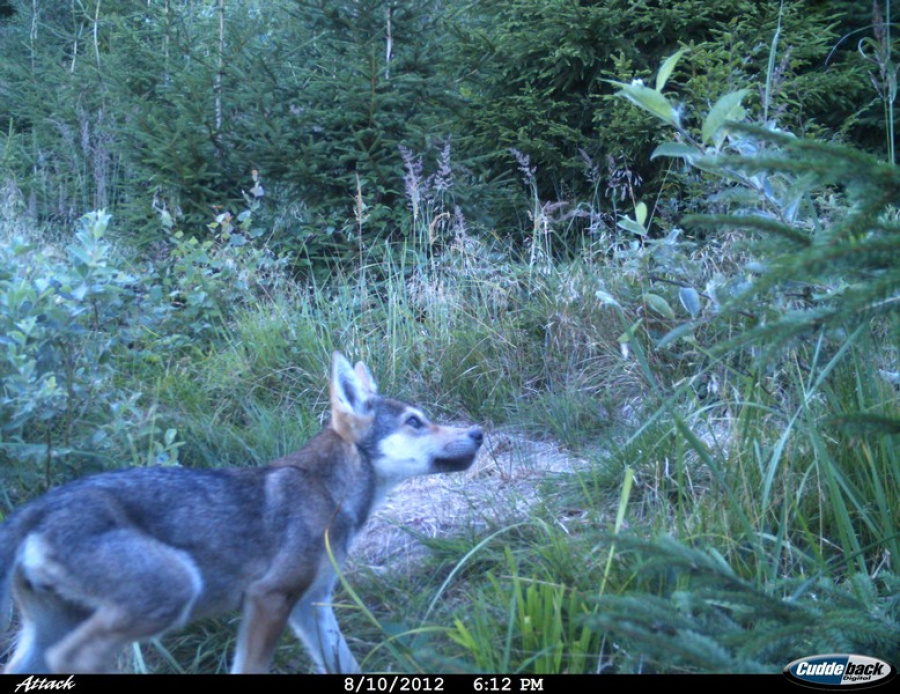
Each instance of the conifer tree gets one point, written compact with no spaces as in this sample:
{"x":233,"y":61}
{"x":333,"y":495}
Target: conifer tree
{"x":533,"y":72}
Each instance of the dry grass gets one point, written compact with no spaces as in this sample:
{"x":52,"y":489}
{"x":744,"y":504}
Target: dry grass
{"x":502,"y":485}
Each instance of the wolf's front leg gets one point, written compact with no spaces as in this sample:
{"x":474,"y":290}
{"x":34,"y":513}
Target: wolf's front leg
{"x":314,"y":623}
{"x":265,"y":614}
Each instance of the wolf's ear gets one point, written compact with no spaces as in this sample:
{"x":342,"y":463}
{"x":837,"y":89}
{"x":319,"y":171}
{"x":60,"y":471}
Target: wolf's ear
{"x":365,"y":378}
{"x":351,"y":399}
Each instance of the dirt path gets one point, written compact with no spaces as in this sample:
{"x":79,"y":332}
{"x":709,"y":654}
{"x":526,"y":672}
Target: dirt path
{"x":504,"y":481}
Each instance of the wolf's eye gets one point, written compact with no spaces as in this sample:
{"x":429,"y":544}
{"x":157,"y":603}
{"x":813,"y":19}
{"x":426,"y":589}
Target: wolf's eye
{"x":414,"y":422}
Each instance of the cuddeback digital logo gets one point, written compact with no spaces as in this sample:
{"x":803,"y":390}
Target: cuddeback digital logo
{"x":839,"y":671}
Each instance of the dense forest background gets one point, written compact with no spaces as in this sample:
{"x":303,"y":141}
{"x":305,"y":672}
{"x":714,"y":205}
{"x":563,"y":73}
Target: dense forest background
{"x":660,"y":235}
{"x":169,"y":106}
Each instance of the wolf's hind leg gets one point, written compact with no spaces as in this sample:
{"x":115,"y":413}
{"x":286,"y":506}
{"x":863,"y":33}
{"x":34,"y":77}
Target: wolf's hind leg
{"x":99,"y":595}
{"x":46,"y":620}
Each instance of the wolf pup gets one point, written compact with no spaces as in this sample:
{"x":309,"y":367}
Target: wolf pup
{"x":124,"y":556}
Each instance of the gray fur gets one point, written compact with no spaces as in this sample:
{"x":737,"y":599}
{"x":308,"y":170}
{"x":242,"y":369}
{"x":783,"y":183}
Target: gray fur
{"x":125,"y":556}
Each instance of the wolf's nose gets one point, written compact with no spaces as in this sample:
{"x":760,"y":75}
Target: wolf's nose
{"x":476,"y":435}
